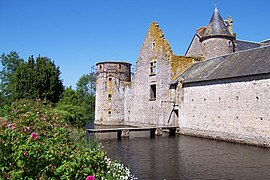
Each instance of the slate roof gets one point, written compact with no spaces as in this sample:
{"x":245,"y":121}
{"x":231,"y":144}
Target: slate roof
{"x":216,"y":26}
{"x":245,"y":45}
{"x":239,"y":64}
{"x":266,"y":41}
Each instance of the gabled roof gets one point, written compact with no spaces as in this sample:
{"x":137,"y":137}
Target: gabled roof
{"x":239,"y":64}
{"x":216,"y":26}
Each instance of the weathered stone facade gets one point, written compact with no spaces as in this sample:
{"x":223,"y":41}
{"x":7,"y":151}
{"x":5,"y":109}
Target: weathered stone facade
{"x":218,"y":46}
{"x":236,"y":111}
{"x":112,"y":78}
{"x":147,"y":99}
{"x":211,"y":92}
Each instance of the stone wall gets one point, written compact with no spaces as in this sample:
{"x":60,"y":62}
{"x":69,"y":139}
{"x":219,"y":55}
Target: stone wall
{"x":217,"y":46}
{"x":140,"y":108}
{"x":195,"y":47}
{"x":112,"y":78}
{"x":237,"y":111}
{"x":132,"y":102}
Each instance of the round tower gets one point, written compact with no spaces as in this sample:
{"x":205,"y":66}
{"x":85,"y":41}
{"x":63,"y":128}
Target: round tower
{"x":110,"y":78}
{"x":217,"y":40}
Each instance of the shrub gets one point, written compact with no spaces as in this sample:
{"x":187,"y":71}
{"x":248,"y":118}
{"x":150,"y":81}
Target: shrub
{"x":35,"y":143}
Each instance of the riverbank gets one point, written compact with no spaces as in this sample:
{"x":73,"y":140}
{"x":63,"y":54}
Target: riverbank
{"x":36,"y":142}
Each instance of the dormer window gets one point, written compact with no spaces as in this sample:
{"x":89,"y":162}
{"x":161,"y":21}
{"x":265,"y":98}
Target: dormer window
{"x":153,"y":69}
{"x":230,"y":43}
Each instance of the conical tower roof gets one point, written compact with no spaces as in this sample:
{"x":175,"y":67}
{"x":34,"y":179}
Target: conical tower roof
{"x":216,"y":27}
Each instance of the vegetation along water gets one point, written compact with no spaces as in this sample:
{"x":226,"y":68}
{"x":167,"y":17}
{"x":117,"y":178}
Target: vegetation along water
{"x":42,"y":125}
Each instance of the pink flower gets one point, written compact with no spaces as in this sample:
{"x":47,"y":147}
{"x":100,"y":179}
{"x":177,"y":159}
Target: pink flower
{"x":7,"y":176}
{"x":34,"y":135}
{"x":62,"y":153}
{"x":24,"y":153}
{"x":90,"y":178}
{"x":54,"y":124}
{"x":26,"y":128}
{"x":11,"y":126}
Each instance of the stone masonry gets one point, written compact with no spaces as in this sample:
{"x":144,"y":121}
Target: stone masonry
{"x":211,"y":92}
{"x":147,"y":99}
{"x":236,"y":111}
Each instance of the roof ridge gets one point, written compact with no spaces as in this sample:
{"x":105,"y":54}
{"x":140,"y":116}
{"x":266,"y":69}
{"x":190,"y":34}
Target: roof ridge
{"x":249,"y":41}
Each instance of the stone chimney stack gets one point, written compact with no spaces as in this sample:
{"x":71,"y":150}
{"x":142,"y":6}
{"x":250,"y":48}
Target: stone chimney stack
{"x":229,"y":24}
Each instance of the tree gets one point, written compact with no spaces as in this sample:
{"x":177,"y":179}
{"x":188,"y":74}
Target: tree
{"x":87,"y":84}
{"x":37,"y":79}
{"x":86,"y":87}
{"x":10,"y":64}
{"x":71,"y":106}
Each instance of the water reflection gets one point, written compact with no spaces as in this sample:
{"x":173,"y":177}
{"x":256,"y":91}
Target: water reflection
{"x":184,"y":157}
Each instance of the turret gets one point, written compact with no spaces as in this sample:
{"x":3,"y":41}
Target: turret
{"x":110,"y":80}
{"x":217,"y":39}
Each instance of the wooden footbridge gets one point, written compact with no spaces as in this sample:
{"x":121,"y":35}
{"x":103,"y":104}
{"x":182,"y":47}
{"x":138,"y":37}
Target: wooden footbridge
{"x":124,"y":132}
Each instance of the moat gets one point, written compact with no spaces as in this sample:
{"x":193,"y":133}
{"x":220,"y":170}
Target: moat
{"x":184,"y":157}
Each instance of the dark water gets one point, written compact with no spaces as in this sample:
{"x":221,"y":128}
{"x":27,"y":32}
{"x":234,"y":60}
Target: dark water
{"x":184,"y":157}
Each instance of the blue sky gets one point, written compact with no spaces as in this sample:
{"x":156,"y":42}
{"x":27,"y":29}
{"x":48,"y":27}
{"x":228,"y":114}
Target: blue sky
{"x":76,"y":34}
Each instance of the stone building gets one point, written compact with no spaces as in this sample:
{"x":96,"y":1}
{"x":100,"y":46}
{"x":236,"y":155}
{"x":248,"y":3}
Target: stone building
{"x":219,"y":89}
{"x":110,"y":84}
{"x":146,"y":100}
{"x":227,"y":95}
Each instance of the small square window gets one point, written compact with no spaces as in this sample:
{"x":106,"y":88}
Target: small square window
{"x":110,"y":79}
{"x":109,"y":112}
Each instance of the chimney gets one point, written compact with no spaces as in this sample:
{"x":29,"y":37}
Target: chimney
{"x":229,"y":24}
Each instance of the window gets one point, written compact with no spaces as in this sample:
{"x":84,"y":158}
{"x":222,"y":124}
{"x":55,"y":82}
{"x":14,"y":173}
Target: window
{"x":153,"y":70}
{"x":100,"y":66}
{"x":230,"y":43}
{"x":120,"y":67}
{"x":109,"y":96}
{"x":109,"y":112}
{"x":153,"y":45}
{"x":110,"y":78}
{"x":153,"y":93}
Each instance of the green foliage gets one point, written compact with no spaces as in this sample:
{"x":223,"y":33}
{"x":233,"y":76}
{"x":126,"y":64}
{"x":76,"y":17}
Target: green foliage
{"x":71,"y":106}
{"x":86,"y":88}
{"x":37,"y":79}
{"x":86,"y":84}
{"x":10,"y":63}
{"x":71,"y":97}
{"x":35,"y":143}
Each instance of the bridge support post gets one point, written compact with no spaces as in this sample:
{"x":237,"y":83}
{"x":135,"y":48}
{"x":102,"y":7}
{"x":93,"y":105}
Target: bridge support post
{"x":125,"y":133}
{"x":172,"y":132}
{"x":159,"y":131}
{"x":152,"y":133}
{"x":119,"y":133}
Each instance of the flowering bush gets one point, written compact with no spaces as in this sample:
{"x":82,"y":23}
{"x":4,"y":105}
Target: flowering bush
{"x":35,"y":143}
